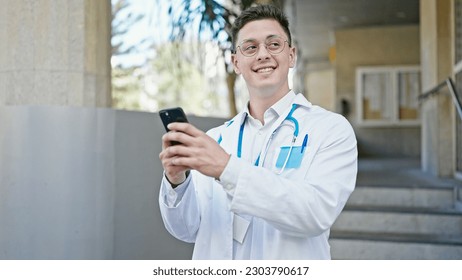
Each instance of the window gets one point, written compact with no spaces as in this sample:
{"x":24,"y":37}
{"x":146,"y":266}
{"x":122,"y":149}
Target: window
{"x":388,"y":95}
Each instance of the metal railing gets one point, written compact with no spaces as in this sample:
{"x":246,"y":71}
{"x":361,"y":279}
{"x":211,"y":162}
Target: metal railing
{"x":456,"y":99}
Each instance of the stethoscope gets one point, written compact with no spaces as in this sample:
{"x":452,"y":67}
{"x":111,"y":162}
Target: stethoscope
{"x":289,"y":118}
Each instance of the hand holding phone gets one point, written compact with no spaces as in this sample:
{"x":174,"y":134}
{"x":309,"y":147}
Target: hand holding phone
{"x":172,"y":115}
{"x":213,"y":158}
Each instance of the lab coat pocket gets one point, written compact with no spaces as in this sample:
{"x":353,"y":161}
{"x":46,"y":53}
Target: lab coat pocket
{"x":290,"y":157}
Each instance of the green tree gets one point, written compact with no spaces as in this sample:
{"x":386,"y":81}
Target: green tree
{"x":125,"y":83}
{"x":125,"y":88}
{"x":174,"y":78}
{"x":210,"y":20}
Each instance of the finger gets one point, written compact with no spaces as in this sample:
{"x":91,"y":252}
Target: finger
{"x":170,"y":162}
{"x":165,"y":142}
{"x":174,"y":172}
{"x":179,"y":163}
{"x":177,"y":136}
{"x":186,"y":128}
{"x":179,"y":150}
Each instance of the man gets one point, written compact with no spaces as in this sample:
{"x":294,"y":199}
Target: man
{"x":270,"y":183}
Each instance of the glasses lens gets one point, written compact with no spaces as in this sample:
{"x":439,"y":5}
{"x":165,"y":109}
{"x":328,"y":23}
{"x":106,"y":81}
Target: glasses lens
{"x":249,"y":48}
{"x":274,"y":45}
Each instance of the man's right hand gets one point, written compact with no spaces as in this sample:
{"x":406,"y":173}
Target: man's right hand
{"x":196,"y":151}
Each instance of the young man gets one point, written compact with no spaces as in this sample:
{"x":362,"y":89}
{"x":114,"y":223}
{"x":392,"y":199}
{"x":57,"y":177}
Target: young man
{"x":269,"y":183}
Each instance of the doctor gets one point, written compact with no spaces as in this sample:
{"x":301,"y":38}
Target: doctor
{"x":269,"y":183}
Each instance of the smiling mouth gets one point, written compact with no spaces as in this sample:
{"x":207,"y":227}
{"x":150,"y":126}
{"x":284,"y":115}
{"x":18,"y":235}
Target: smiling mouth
{"x":265,"y":70}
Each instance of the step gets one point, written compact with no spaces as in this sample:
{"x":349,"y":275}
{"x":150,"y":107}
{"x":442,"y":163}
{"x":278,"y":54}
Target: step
{"x":432,"y":197}
{"x":394,"y":246}
{"x":408,"y":220}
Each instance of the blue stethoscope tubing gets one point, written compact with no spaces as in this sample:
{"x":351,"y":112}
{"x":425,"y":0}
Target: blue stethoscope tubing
{"x":290,"y":118}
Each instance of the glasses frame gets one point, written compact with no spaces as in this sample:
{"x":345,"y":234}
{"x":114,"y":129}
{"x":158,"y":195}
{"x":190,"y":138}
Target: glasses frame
{"x":264,"y":43}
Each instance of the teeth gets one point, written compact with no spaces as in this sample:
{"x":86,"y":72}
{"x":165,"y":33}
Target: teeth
{"x":264,"y":70}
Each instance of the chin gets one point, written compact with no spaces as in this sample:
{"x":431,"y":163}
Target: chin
{"x":267,"y":85}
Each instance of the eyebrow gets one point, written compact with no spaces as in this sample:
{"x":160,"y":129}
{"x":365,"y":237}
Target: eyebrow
{"x":267,"y":37}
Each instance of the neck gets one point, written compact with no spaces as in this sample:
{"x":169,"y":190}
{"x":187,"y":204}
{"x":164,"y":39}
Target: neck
{"x":259,"y":103}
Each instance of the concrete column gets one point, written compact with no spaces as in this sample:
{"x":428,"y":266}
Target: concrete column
{"x":436,"y":61}
{"x":55,"y":52}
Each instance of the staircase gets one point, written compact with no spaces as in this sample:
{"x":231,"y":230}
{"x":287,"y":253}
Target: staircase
{"x":397,"y":212}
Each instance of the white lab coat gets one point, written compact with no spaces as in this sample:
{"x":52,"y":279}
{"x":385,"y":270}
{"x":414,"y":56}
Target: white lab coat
{"x":290,"y":214}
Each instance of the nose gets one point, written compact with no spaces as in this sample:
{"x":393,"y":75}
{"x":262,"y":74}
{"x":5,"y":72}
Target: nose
{"x":262,"y":52}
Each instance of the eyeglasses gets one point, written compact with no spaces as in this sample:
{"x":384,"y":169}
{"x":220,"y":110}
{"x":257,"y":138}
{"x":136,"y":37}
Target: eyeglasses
{"x":273,"y":45}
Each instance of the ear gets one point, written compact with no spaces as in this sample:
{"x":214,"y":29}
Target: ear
{"x":235,"y":64}
{"x":292,"y":57}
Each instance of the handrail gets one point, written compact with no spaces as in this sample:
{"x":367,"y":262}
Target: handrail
{"x":456,"y":99}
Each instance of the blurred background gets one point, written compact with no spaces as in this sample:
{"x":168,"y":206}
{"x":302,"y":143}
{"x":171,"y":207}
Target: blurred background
{"x":81,"y":83}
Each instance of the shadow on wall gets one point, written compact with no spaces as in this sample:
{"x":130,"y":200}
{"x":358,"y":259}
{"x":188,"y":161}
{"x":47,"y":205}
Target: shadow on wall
{"x":82,"y":183}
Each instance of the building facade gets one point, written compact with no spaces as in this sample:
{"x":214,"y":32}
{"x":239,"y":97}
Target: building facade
{"x":374,"y":75}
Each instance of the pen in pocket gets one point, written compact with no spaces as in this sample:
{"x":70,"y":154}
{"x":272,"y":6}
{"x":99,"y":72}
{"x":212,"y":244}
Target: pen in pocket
{"x":305,"y":142}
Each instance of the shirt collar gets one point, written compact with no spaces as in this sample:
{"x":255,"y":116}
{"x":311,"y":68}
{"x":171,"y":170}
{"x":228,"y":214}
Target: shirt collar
{"x":277,"y":109}
{"x":281,"y":106}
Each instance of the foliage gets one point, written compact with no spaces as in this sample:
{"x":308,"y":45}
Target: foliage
{"x":179,"y":75}
{"x":125,"y":83}
{"x":175,"y":79}
{"x":209,"y":20}
{"x":125,"y":88}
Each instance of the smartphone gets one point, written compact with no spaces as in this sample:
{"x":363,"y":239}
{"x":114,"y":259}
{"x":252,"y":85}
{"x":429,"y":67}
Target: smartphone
{"x":172,"y":115}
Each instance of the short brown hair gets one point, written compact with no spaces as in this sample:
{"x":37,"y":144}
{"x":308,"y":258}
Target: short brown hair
{"x":257,"y":13}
